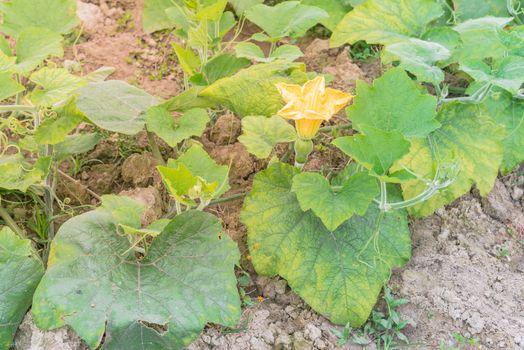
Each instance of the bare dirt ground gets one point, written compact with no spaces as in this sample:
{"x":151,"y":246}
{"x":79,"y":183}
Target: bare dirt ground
{"x":467,"y":271}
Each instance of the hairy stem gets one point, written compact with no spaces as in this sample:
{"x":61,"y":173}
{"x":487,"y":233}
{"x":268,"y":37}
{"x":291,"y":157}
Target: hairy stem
{"x":16,"y":108}
{"x":9,"y":221}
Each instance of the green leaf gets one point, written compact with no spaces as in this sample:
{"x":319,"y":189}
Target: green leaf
{"x":252,"y":91}
{"x":155,"y":17}
{"x":394,"y":102}
{"x":8,"y":86}
{"x":513,"y":40}
{"x":191,"y":123}
{"x":54,"y":130}
{"x":115,"y":106}
{"x":200,"y":164}
{"x":7,"y":63}
{"x":242,"y":6}
{"x":444,"y":36}
{"x":55,"y":85}
{"x":287,"y":52}
{"x":58,"y":16}
{"x":21,"y":269}
{"x":386,"y":22}
{"x":334,"y":208}
{"x":470,"y":9}
{"x":188,"y":99}
{"x":211,"y":12}
{"x":419,"y":57}
{"x":289,"y":18}
{"x":508,"y":73}
{"x":339,"y":274}
{"x":124,"y":210}
{"x":468,"y":137}
{"x":188,"y":60}
{"x":76,"y":144}
{"x":179,"y":181}
{"x":260,"y":134}
{"x":95,"y":284}
{"x":222,"y":66}
{"x":5,"y":46}
{"x":17,"y":174}
{"x":251,"y":51}
{"x":377,"y":150}
{"x":100,"y":74}
{"x":34,"y":45}
{"x":336,"y":9}
{"x":481,"y":39}
{"x":508,"y":112}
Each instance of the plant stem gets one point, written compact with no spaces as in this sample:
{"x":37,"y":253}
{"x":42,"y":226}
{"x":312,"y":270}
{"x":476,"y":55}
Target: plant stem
{"x":17,"y":108}
{"x":227,"y":199}
{"x":154,"y":148}
{"x":11,"y":223}
{"x":334,"y":127}
{"x":49,"y":202}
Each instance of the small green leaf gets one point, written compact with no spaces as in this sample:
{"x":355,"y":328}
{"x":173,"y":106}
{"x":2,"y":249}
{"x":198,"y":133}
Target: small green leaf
{"x":17,"y":174}
{"x":7,"y":63}
{"x":508,"y":73}
{"x":95,"y":284}
{"x":467,"y":136}
{"x":289,"y":18}
{"x":211,"y":12}
{"x":339,"y":274}
{"x":222,"y":66}
{"x":200,"y":164}
{"x":54,"y":130}
{"x":58,"y":16}
{"x":260,"y":134}
{"x":5,"y":46}
{"x":242,"y":6}
{"x":508,"y":112}
{"x":188,"y":99}
{"x":115,"y":106}
{"x":394,"y":102}
{"x":252,"y":91}
{"x":20,"y":270}
{"x":314,"y":192}
{"x":188,"y":60}
{"x":34,"y":45}
{"x":250,"y":51}
{"x":386,"y":22}
{"x":191,"y":123}
{"x":336,"y":10}
{"x":178,"y":179}
{"x":287,"y":52}
{"x":76,"y":144}
{"x":377,"y":150}
{"x":8,"y":86}
{"x":419,"y":57}
{"x":54,"y":85}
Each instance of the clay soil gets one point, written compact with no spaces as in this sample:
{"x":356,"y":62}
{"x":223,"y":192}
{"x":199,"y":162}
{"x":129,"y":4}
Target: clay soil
{"x":467,"y":272}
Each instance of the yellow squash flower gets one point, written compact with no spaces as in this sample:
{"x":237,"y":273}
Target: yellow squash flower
{"x":311,"y":104}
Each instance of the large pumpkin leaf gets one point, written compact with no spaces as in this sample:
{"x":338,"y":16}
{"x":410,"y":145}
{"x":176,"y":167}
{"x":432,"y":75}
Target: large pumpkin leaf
{"x":377,"y":150}
{"x":191,"y":123}
{"x":242,"y":6}
{"x":289,"y":18}
{"x":115,"y":106}
{"x":386,"y":22}
{"x":54,"y":85}
{"x":155,"y":17}
{"x":339,"y":274}
{"x":95,"y":284}
{"x":508,"y":112}
{"x":20,"y":271}
{"x":394,"y":103}
{"x":470,"y":9}
{"x":34,"y":45}
{"x":260,"y":134}
{"x":314,"y":192}
{"x":76,"y":144}
{"x":252,"y":91}
{"x":468,"y":137}
{"x":55,"y":15}
{"x":419,"y":57}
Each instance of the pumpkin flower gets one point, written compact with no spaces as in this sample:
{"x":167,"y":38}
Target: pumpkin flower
{"x":311,"y":104}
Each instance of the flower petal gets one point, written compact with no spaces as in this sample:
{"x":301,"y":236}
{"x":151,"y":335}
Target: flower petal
{"x":290,"y":111}
{"x":336,"y":99}
{"x":289,"y":92}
